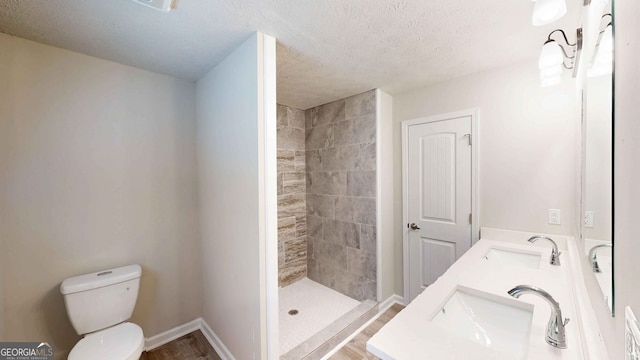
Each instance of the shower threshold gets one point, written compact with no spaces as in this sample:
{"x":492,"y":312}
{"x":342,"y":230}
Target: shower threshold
{"x":315,"y":319}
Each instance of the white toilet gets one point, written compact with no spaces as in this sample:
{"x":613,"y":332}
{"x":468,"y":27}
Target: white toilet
{"x":98,"y":305}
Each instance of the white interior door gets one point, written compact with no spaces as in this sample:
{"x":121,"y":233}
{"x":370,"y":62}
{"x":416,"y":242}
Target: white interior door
{"x":438,"y":197}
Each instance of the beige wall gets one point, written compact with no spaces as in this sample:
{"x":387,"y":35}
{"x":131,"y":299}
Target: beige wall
{"x":98,"y":170}
{"x":235,"y":227}
{"x":387,"y":247}
{"x":527,"y":147}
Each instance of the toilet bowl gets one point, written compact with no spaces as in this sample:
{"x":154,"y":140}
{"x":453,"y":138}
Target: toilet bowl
{"x":99,"y":305}
{"x":121,"y":342}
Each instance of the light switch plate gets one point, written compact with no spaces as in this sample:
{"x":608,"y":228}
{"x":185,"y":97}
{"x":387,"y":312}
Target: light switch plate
{"x":631,"y":335}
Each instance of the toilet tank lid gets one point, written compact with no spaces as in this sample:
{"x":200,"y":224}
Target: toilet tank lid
{"x":100,"y":279}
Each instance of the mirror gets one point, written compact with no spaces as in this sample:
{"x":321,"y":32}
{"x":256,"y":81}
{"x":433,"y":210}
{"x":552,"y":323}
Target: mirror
{"x":597,"y":179}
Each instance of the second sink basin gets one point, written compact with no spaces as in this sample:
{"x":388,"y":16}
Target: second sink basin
{"x":513,"y":258}
{"x":500,"y":324}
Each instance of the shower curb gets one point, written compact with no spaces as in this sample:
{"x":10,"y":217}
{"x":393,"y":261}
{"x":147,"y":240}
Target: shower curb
{"x":327,"y":339}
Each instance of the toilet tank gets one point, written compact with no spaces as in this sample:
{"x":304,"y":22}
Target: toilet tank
{"x":102,"y":299}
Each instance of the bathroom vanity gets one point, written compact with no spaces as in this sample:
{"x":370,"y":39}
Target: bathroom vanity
{"x":468,"y":314}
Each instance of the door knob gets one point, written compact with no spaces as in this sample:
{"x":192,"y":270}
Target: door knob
{"x":413,"y":226}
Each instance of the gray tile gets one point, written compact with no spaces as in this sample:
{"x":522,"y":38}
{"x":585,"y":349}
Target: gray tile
{"x":308,"y":347}
{"x":285,"y":160}
{"x":368,"y":238}
{"x":355,"y":286}
{"x":356,"y":131}
{"x":320,"y":205}
{"x":294,"y":186}
{"x":310,"y":254}
{"x":367,"y":158}
{"x":325,"y":114}
{"x":340,"y":158}
{"x":330,"y":253}
{"x":341,"y":232}
{"x":286,"y":228}
{"x":355,"y":318}
{"x":289,"y":138}
{"x":319,"y":137}
{"x":279,"y":184}
{"x":296,"y":118}
{"x":291,"y":176}
{"x":361,"y":183}
{"x":365,"y":129}
{"x":360,"y":105}
{"x":295,"y":250}
{"x":280,"y":255}
{"x":327,"y":183}
{"x":282,"y":115}
{"x":291,"y":205}
{"x":313,"y":160}
{"x":314,"y":227}
{"x":299,"y":161}
{"x":361,"y":263}
{"x":353,"y":209}
{"x":321,"y":272}
{"x":301,"y":225}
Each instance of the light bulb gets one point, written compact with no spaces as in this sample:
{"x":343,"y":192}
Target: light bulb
{"x":548,"y":11}
{"x":551,"y":55}
{"x":550,"y":81}
{"x":549,"y":72}
{"x":606,"y":41}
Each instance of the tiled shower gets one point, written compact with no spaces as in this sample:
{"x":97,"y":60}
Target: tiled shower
{"x":327,"y":200}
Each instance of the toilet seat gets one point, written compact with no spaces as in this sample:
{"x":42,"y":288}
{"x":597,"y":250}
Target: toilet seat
{"x":121,"y":342}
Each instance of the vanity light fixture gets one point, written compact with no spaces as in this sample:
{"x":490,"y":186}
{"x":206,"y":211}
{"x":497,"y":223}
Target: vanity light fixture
{"x":554,"y":57}
{"x":548,"y":11}
{"x":602,"y":63}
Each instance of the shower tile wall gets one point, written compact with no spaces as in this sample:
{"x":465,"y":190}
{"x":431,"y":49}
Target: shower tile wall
{"x":292,"y":219}
{"x":341,"y":195}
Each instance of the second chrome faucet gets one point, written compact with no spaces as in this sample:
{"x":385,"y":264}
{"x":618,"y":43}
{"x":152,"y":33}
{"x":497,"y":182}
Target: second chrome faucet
{"x":555,"y":254}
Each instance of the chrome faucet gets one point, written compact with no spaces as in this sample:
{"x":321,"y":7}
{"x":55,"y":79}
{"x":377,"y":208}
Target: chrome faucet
{"x":593,"y":259}
{"x":555,"y":328}
{"x":555,"y":255}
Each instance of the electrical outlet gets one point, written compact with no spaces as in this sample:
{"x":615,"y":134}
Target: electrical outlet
{"x":588,"y":219}
{"x":555,"y":217}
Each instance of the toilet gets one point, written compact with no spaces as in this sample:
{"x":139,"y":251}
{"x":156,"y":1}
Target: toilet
{"x":99,"y":305}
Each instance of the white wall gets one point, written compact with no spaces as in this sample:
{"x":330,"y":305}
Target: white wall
{"x":385,"y":221}
{"x":97,"y":170}
{"x":626,"y":175}
{"x":527,"y":147}
{"x":231,"y":175}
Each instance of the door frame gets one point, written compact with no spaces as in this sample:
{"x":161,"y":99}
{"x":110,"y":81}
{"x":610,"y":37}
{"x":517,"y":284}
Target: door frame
{"x":475,"y":209}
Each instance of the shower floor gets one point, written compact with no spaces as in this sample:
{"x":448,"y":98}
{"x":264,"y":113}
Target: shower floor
{"x":317,"y":306}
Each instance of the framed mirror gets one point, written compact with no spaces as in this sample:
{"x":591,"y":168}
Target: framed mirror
{"x":597,"y":170}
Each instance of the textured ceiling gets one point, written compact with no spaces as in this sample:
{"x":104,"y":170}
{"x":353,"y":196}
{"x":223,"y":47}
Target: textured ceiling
{"x":327,"y":49}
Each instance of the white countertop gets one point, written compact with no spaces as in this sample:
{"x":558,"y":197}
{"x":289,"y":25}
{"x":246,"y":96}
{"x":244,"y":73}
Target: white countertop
{"x":411,"y":335}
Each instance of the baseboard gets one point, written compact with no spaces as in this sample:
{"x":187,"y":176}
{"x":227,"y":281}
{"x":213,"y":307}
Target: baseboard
{"x":171,"y":334}
{"x":393,"y":299}
{"x":184,"y":329}
{"x":215,"y":341}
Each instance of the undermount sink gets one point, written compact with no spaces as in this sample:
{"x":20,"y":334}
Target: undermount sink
{"x":500,"y":324}
{"x":513,"y":258}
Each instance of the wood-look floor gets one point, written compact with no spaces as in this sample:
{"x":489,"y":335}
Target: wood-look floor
{"x":193,"y":346}
{"x":356,"y":348}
